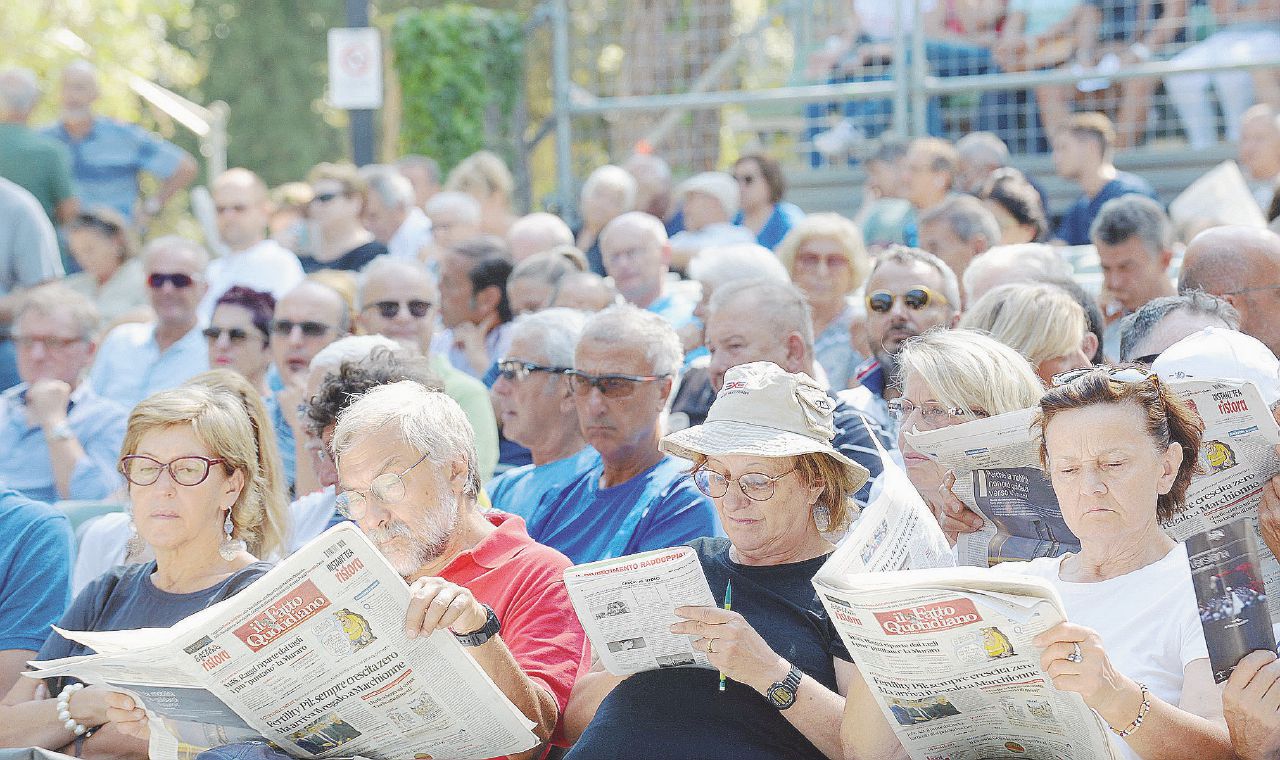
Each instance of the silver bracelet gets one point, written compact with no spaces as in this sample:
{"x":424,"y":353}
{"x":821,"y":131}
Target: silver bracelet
{"x":1142,"y":713}
{"x":64,"y":709}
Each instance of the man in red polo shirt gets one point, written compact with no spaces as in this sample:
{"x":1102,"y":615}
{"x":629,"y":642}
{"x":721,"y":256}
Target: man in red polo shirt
{"x":407,"y":474}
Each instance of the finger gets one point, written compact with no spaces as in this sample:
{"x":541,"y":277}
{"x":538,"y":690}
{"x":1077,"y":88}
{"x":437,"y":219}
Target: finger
{"x":420,"y":595}
{"x":1249,"y":666}
{"x":1262,"y":679}
{"x":433,"y":616}
{"x":118,"y":700}
{"x":712,"y":615}
{"x":690,"y":628}
{"x":460,"y":604}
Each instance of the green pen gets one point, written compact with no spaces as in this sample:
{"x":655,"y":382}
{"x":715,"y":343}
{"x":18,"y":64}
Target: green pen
{"x":728,"y":605}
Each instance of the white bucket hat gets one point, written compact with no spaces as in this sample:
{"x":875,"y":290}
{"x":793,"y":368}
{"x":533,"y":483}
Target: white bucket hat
{"x":1219,"y":353}
{"x":719,"y":185}
{"x":762,"y":410}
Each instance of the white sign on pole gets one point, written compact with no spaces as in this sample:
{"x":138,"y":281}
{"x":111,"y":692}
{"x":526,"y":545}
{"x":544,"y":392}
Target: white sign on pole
{"x":355,"y":68}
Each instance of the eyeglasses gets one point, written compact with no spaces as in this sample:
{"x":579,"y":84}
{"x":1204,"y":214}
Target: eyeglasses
{"x":917,"y":298}
{"x":932,"y":414}
{"x":156,"y":280}
{"x":610,"y":386}
{"x":514,"y":369}
{"x":239,"y":208}
{"x":325,"y":197}
{"x":387,"y":487}
{"x":47,"y":342}
{"x":754,"y":485}
{"x":1129,"y":375}
{"x":234,"y":334}
{"x":812,"y":260}
{"x":389,"y":309}
{"x":309,"y":329}
{"x":185,"y":471}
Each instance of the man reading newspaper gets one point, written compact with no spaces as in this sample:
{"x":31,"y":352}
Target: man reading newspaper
{"x":407,"y":469}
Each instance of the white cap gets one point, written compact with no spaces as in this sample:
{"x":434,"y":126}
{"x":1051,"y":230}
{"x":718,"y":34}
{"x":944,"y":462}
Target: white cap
{"x":719,"y":185}
{"x":1216,"y":353}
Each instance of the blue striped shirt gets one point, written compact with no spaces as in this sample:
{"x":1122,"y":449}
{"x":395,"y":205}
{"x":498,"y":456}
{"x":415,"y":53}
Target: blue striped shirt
{"x":106,"y":161}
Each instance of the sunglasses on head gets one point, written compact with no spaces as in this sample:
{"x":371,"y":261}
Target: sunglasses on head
{"x":389,"y":309}
{"x":514,"y":369}
{"x":917,"y":298}
{"x":156,"y":280}
{"x":234,"y":334}
{"x":610,"y":386}
{"x":309,"y":329}
{"x":1126,"y":375}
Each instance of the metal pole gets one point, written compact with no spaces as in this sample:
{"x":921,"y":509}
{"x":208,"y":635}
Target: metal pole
{"x":919,"y":69}
{"x":217,"y":138}
{"x":564,"y":116}
{"x":361,"y":119}
{"x":901,"y":101}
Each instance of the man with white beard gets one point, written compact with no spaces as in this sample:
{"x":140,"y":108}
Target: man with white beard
{"x":407,"y":476}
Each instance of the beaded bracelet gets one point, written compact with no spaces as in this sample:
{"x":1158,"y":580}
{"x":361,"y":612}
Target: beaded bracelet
{"x":64,"y":709}
{"x":1142,"y":713}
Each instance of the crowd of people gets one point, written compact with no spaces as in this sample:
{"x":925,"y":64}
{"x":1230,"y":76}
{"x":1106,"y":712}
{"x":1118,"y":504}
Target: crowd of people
{"x":493,"y":397}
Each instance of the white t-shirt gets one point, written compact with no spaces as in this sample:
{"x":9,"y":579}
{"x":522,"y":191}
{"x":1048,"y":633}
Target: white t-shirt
{"x":1148,"y":620}
{"x":265,"y":266}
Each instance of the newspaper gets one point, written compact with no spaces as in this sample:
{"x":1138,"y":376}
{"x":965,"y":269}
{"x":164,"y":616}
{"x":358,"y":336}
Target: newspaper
{"x":312,"y":656}
{"x":1230,"y":594}
{"x":996,"y":461}
{"x":1220,"y":196}
{"x":947,"y":653}
{"x":627,"y":607}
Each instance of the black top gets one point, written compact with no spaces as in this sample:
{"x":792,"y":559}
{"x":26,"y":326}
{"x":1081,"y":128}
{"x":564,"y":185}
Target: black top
{"x":679,"y":713}
{"x":352,"y":261}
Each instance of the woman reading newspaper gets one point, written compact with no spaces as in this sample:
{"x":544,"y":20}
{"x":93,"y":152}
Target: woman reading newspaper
{"x":197,"y":493}
{"x":1120,"y":450}
{"x":764,"y":456}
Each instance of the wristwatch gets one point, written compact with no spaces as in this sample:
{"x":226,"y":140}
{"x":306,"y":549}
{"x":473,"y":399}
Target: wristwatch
{"x":487,"y":631}
{"x":782,"y":694}
{"x":60,"y":432}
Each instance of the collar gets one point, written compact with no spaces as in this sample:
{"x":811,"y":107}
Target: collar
{"x":497,"y":548}
{"x":871,"y":376}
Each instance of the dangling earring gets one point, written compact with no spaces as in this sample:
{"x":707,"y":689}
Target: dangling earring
{"x":135,"y":545}
{"x":231,"y":547}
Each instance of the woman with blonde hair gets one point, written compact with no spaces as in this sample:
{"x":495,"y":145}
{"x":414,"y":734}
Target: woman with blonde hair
{"x":485,"y":177}
{"x":827,"y":260}
{"x":1042,"y":322}
{"x":197,"y":493}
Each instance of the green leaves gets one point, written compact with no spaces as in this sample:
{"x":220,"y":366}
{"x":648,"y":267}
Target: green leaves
{"x":461,"y":71}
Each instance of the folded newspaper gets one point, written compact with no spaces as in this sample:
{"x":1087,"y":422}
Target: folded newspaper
{"x":947,"y":654}
{"x":998,"y":475}
{"x":313,"y":657}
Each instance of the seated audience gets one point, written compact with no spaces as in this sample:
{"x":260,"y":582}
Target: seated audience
{"x":140,"y":358}
{"x":931,"y":164}
{"x":766,"y":320}
{"x":111,"y":276}
{"x":1135,"y":243}
{"x":949,"y":377}
{"x":60,"y":438}
{"x":239,"y":334}
{"x":1241,"y":265}
{"x":1259,"y":152}
{"x":36,"y":585}
{"x":407,"y":465}
{"x":536,"y":410}
{"x":397,"y":298}
{"x":979,"y":154}
{"x":653,"y":186}
{"x":826,"y":258}
{"x":635,"y":498}
{"x":536,"y":281}
{"x":474,"y":309}
{"x":761,"y":186}
{"x":958,"y":230}
{"x":1082,"y":153}
{"x":712,"y":268}
{"x":342,"y":242}
{"x":455,"y":217}
{"x":485,"y":177}
{"x":1120,"y":450}
{"x":885,"y":216}
{"x":607,"y":193}
{"x":1163,"y":321}
{"x":908,"y":292}
{"x":1038,"y":320}
{"x":708,"y":204}
{"x":1006,"y":264}
{"x":189,"y":454}
{"x":586,"y":291}
{"x":536,"y":233}
{"x":391,"y":212}
{"x":764,"y":457}
{"x":636,"y":255}
{"x":1017,"y":206}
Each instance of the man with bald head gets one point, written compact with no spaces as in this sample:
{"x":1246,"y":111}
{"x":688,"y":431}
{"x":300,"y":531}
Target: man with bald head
{"x":1242,"y":266}
{"x":636,"y":253}
{"x":252,"y":259}
{"x":535,"y":233}
{"x":41,"y":165}
{"x":108,"y":155}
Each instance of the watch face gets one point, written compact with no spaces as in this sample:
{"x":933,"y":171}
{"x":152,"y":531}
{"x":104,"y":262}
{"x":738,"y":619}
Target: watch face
{"x":781,"y":696}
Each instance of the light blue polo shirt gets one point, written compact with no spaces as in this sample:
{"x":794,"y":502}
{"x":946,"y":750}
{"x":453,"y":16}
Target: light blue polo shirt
{"x":106,"y":162}
{"x":130,"y":365}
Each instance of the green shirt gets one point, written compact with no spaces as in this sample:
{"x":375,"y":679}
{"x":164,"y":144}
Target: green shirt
{"x":39,"y":164}
{"x":473,"y":397}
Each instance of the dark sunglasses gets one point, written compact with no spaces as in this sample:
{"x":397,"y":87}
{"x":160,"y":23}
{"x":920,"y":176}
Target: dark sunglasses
{"x":917,"y":298}
{"x":309,"y":329}
{"x":514,"y":369}
{"x":389,"y":309}
{"x":610,"y":386}
{"x":234,"y":334}
{"x":156,"y":280}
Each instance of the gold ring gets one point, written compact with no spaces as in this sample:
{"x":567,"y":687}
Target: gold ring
{"x":711,"y":646}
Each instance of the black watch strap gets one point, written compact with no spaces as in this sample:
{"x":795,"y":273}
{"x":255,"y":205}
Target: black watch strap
{"x":782,"y":694}
{"x":492,"y":626}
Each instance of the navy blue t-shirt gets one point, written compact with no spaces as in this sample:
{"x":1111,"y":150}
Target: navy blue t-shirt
{"x":680,"y":713}
{"x":351,"y":261}
{"x":1074,"y":228}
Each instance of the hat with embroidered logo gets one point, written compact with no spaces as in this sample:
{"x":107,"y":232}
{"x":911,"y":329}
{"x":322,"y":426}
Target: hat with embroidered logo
{"x":765,"y":411}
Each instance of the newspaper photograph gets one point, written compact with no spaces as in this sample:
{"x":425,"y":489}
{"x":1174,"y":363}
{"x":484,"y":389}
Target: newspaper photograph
{"x":627,"y":607}
{"x":948,"y":655}
{"x":996,"y":461}
{"x":1226,"y":574}
{"x":313,"y":657}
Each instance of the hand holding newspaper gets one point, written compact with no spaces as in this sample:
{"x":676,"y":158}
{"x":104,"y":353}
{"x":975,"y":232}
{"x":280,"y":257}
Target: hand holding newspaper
{"x":313,"y":657}
{"x":996,"y":461}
